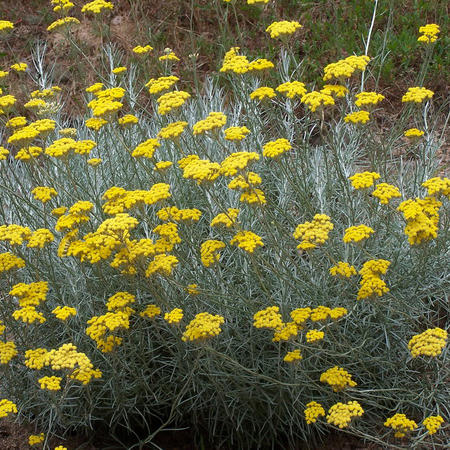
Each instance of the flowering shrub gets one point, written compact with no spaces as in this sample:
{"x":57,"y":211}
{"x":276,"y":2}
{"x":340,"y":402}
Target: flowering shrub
{"x":162,"y":269}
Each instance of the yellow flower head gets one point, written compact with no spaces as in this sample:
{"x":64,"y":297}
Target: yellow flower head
{"x":283,"y":28}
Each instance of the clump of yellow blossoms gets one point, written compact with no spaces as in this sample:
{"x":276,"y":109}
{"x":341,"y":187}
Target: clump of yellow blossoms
{"x":236,"y":133}
{"x":142,"y":50}
{"x":335,"y":89}
{"x":209,"y":252}
{"x":345,"y":68}
{"x":119,"y":70}
{"x":437,"y":186}
{"x":172,"y":131}
{"x":268,"y":318}
{"x":44,"y":194}
{"x":429,"y":343}
{"x":338,"y":378}
{"x":285,"y":332}
{"x":357,"y":117}
{"x":422,"y":218}
{"x":313,"y":411}
{"x":151,"y":311}
{"x":433,"y":423}
{"x":384,"y":192}
{"x":400,"y":424}
{"x":97,"y":6}
{"x":14,"y":234}
{"x":313,"y":233}
{"x":292,"y":89}
{"x":169,"y":55}
{"x":6,"y":26}
{"x":300,"y":315}
{"x":368,"y":98}
{"x":9,"y":261}
{"x":317,"y":100}
{"x":429,"y":33}
{"x":364,"y":180}
{"x":214,"y":121}
{"x":357,"y":233}
{"x":371,"y":282}
{"x":293,"y":356}
{"x":62,"y":5}
{"x":200,"y":170}
{"x":20,"y":67}
{"x":64,"y":312}
{"x":344,"y":269}
{"x":236,"y":162}
{"x":203,"y":326}
{"x":260,"y":65}
{"x":50,"y":383}
{"x":417,"y":95}
{"x":227,"y":219}
{"x":172,"y":100}
{"x":341,"y":414}
{"x":65,"y":21}
{"x":157,"y":85}
{"x":146,"y":149}
{"x":174,"y":316}
{"x":7,"y":407}
{"x":283,"y":28}
{"x":8,"y":351}
{"x":35,"y":439}
{"x":128,"y":120}
{"x":255,"y":2}
{"x":233,"y":62}
{"x":413,"y":133}
{"x":262,"y":93}
{"x":314,"y":336}
{"x":276,"y":148}
{"x":247,"y":240}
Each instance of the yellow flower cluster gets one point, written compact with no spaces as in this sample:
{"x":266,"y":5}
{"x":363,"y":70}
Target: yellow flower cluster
{"x":422,"y":218}
{"x":368,"y":98}
{"x":100,"y":325}
{"x":214,"y":121}
{"x":179,"y":215}
{"x":95,"y":123}
{"x":313,"y":411}
{"x":203,"y":326}
{"x":119,"y":199}
{"x":313,"y":233}
{"x":7,"y":351}
{"x":192,"y":289}
{"x":119,"y":70}
{"x":371,"y":282}
{"x":400,"y":424}
{"x":314,"y":336}
{"x":16,"y":122}
{"x":384,"y":192}
{"x":357,"y":233}
{"x":345,"y":68}
{"x":3,"y":153}
{"x":276,"y":148}
{"x":285,"y":332}
{"x":429,"y":343}
{"x":247,"y":240}
{"x":335,"y":89}
{"x":162,"y":264}
{"x":429,"y":33}
{"x":357,"y":117}
{"x":292,"y":89}
{"x":174,"y":317}
{"x":200,"y":170}
{"x":9,"y":261}
{"x":433,"y":423}
{"x":283,"y":28}
{"x":260,"y":64}
{"x":62,"y":5}
{"x":146,"y":149}
{"x":19,"y":67}
{"x":338,"y":378}
{"x":233,"y":62}
{"x":14,"y":234}
{"x":341,"y":414}
{"x":30,"y":296}
{"x":64,"y":312}
{"x":50,"y":383}
{"x":246,"y":181}
{"x":5,"y":26}
{"x":293,"y":356}
{"x":172,"y":131}
{"x":364,"y":180}
{"x":317,"y":100}
{"x":172,"y":100}
{"x":7,"y":407}
{"x":236,"y":133}
{"x":438,"y":185}
{"x":44,"y":194}
{"x":62,"y":147}
{"x":107,"y":104}
{"x":413,"y":133}
{"x":344,"y":269}
{"x":209,"y":252}
{"x":157,"y":85}
{"x":76,"y":216}
{"x":236,"y":162}
{"x":128,"y":120}
{"x":300,"y":315}
{"x":142,"y":50}
{"x":169,"y":55}
{"x":151,"y":311}
{"x":97,"y":6}
{"x":227,"y":219}
{"x":35,"y":439}
{"x":262,"y":93}
{"x":25,"y":154}
{"x":65,"y":21}
{"x":417,"y":95}
{"x":269,"y":317}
